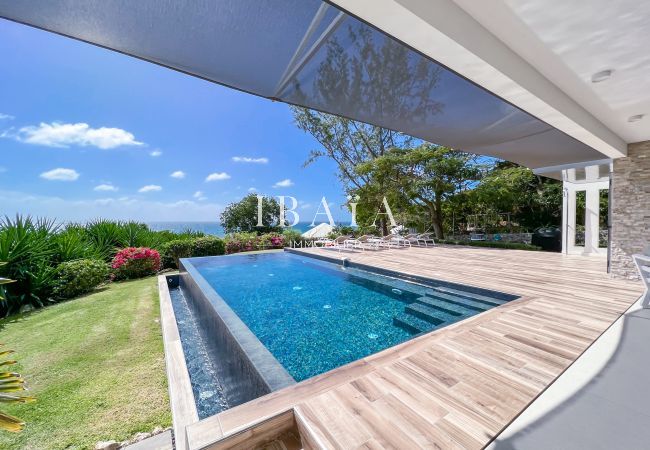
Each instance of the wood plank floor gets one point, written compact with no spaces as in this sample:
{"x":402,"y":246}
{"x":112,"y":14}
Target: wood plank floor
{"x":457,"y":387}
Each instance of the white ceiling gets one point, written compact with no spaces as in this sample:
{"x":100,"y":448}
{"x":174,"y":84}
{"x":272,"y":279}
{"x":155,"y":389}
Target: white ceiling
{"x":569,"y":41}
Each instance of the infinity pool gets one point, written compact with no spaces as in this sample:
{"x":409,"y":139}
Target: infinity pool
{"x":314,"y":316}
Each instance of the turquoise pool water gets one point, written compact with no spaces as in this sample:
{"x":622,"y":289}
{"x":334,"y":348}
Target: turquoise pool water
{"x":314,"y":316}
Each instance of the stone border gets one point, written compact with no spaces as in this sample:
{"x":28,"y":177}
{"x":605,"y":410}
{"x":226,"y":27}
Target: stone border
{"x":181,"y":396}
{"x":401,"y":275}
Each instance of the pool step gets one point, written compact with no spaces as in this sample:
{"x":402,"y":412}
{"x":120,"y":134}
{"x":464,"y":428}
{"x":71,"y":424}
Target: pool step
{"x":433,"y":315}
{"x":492,"y":301}
{"x":460,"y":301}
{"x":448,"y":308}
{"x":411,"y":323}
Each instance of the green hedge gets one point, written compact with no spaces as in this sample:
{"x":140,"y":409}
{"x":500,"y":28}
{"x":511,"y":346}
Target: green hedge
{"x":493,"y":244}
{"x":172,"y":251}
{"x":73,"y":278}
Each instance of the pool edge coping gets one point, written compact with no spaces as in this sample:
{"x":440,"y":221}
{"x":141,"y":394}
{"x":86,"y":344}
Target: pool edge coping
{"x":179,"y":386}
{"x":270,"y":370}
{"x":345,"y":262}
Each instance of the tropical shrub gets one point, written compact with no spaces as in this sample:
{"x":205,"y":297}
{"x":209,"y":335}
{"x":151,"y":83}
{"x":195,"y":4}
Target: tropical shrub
{"x":207,"y":246}
{"x":28,"y":247}
{"x":135,"y":262}
{"x":72,"y":243}
{"x":246,"y":242}
{"x":172,"y":251}
{"x":11,"y":386}
{"x":33,"y":248}
{"x":4,"y":281}
{"x":74,"y":278}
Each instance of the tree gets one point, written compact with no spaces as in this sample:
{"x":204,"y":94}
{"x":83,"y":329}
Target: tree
{"x":373,"y":78}
{"x":426,"y":175}
{"x":532,"y":200}
{"x":241,"y":216}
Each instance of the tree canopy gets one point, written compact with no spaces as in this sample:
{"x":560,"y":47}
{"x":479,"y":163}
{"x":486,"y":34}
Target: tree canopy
{"x":242,"y":216}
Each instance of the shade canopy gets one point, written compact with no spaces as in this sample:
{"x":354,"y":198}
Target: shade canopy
{"x":309,"y":53}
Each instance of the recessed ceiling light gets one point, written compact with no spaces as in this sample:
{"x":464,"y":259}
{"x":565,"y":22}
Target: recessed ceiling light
{"x":636,"y":118}
{"x":601,"y":76}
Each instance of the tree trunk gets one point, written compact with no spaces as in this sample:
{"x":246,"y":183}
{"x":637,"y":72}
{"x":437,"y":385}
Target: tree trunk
{"x":437,"y":216}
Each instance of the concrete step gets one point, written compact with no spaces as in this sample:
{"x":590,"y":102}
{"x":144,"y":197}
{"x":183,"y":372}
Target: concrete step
{"x":411,"y":323}
{"x":459,"y":301}
{"x":432,"y":315}
{"x":446,"y":307}
{"x":492,"y":301}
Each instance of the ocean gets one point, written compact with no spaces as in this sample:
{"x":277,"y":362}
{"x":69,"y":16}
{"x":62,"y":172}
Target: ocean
{"x":212,"y":228}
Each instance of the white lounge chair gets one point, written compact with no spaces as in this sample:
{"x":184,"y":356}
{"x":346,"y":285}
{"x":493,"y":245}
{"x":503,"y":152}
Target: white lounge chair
{"x":353,"y":243}
{"x":426,"y":239}
{"x":339,"y":243}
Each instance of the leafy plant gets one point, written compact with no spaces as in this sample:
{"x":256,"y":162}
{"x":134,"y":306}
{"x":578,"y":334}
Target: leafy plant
{"x":133,"y":262}
{"x":73,"y":243}
{"x":207,"y":246}
{"x":172,"y":251}
{"x":11,"y":384}
{"x":28,"y":247}
{"x":74,"y":278}
{"x":4,"y":281}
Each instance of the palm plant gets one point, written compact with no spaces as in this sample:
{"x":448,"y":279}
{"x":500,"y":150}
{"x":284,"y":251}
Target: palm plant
{"x":11,"y":386}
{"x":10,"y":383}
{"x":27,"y":246}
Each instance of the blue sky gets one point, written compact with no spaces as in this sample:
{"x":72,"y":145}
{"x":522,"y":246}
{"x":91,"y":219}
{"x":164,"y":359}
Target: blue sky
{"x":85,"y":132}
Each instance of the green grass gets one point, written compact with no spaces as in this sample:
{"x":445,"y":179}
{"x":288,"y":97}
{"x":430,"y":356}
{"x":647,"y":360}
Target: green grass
{"x":95,"y":364}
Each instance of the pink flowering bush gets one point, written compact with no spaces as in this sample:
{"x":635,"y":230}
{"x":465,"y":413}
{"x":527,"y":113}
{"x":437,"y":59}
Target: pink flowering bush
{"x":135,"y":262}
{"x":246,"y":242}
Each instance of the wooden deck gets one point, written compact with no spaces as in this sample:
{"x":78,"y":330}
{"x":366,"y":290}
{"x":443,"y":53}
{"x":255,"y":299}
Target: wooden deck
{"x":457,"y":387}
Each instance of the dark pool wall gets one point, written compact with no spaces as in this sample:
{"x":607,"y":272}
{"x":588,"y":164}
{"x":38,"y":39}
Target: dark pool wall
{"x":246,"y":368}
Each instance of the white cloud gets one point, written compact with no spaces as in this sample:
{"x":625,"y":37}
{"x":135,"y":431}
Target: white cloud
{"x":179,"y":174}
{"x":150,"y":188}
{"x":305,"y":205}
{"x":6,"y":116}
{"x":248,"y":159}
{"x":217,"y":176}
{"x":57,"y":134}
{"x":199,"y":196}
{"x":60,"y":175}
{"x":284,"y":183}
{"x":105,"y":188}
{"x":251,"y":189}
{"x":155,"y":153}
{"x":122,"y":208}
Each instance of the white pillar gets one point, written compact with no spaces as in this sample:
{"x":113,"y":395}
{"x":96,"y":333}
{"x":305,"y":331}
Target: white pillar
{"x":570,"y":227}
{"x":592,"y":207}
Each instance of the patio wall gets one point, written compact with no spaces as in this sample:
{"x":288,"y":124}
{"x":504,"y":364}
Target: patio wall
{"x":630,"y":209}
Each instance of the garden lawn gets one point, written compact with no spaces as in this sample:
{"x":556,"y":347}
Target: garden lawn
{"x":96,"y":365}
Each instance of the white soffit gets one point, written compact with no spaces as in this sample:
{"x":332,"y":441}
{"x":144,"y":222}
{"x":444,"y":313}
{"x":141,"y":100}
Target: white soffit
{"x":471,"y":42}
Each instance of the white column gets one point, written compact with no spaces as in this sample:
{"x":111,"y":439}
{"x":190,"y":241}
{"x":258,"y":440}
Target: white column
{"x":592,"y":207}
{"x":570,"y":218}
